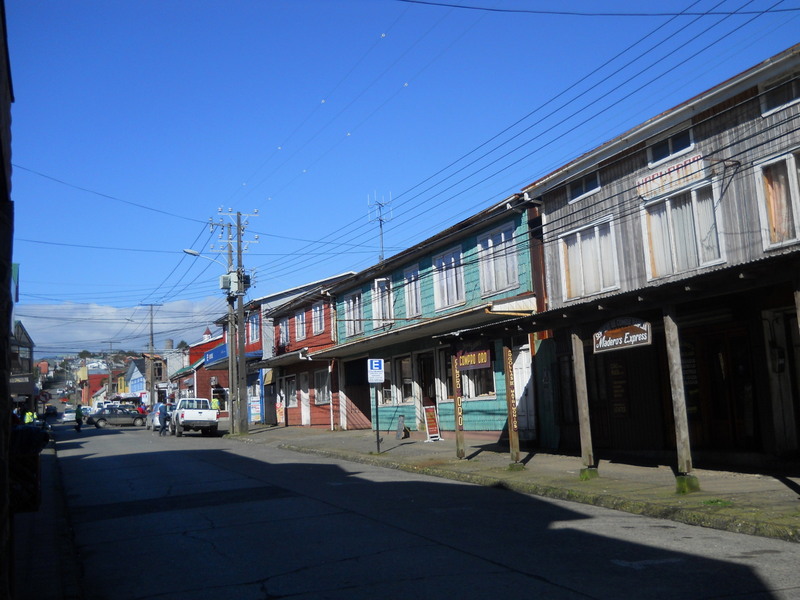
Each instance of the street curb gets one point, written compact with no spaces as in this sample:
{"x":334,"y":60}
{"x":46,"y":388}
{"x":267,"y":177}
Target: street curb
{"x":689,"y":516}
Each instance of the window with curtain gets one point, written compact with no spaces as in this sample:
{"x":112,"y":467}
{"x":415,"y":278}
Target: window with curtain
{"x":589,"y":261}
{"x":353,"y":314}
{"x":382,"y":309}
{"x":682,"y":232}
{"x":300,"y":325}
{"x":283,"y":331}
{"x":318,"y":317}
{"x":322,"y":394}
{"x":448,"y":279}
{"x":780,"y":198}
{"x":253,"y":327}
{"x":413,"y":292}
{"x":498,"y":260}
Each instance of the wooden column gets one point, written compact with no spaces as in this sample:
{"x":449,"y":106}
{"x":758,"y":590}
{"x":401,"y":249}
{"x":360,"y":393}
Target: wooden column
{"x":582,"y":397}
{"x":686,"y":481}
{"x":511,"y":404}
{"x":797,"y":300}
{"x":458,"y":410}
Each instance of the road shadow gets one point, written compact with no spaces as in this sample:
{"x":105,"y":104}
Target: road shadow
{"x":315,"y":529}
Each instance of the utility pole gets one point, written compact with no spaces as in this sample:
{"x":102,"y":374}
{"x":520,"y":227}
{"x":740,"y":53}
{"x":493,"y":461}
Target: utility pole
{"x":151,"y":391}
{"x":233,"y":379}
{"x":241,"y":367}
{"x":236,"y":284}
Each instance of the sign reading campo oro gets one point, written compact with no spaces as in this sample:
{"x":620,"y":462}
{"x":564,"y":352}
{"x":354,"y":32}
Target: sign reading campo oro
{"x":625,"y":332}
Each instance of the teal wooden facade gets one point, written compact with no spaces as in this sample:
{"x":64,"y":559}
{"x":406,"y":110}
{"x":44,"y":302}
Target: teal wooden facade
{"x":451,"y":293}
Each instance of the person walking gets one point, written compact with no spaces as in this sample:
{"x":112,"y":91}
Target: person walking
{"x":156,"y":417}
{"x":78,"y":418}
{"x":162,"y":418}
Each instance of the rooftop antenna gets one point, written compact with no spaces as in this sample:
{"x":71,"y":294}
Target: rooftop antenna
{"x":375,"y":210}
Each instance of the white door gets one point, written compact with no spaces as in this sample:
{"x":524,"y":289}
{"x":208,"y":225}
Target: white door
{"x":305,"y":405}
{"x":523,"y":386}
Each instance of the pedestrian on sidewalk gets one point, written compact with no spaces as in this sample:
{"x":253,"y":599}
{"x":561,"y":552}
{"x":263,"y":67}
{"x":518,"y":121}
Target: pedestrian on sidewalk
{"x":78,"y":418}
{"x":162,"y":418}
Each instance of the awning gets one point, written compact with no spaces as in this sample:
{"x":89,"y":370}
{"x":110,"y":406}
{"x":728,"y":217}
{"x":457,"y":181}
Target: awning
{"x":289,"y":358}
{"x":221,"y":363}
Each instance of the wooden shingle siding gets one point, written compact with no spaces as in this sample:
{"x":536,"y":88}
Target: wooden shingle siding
{"x":733,"y":138}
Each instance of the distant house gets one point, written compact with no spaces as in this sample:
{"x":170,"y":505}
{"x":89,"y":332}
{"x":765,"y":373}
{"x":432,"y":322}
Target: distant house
{"x":306,"y":390}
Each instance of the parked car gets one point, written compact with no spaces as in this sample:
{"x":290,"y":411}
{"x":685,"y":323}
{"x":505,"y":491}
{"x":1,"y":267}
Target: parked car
{"x":68,"y":415}
{"x":151,"y":416}
{"x":50,"y":411}
{"x":115,"y":416}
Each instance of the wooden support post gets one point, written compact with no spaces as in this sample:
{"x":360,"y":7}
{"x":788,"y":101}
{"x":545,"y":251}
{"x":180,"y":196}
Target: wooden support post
{"x":582,"y":396}
{"x":458,"y":410}
{"x":511,"y":404}
{"x":686,"y":482}
{"x":797,"y":300}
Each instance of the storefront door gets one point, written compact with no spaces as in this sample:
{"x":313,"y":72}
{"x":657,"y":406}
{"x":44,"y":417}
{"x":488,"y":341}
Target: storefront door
{"x":523,"y":387}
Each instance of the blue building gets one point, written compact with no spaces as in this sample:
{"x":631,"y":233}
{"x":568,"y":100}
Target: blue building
{"x":447,"y":306}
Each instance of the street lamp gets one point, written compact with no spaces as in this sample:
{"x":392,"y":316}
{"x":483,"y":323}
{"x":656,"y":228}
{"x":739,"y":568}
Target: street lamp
{"x":233,"y":356}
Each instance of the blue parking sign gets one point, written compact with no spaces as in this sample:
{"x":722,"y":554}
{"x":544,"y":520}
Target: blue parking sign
{"x":375,"y":370}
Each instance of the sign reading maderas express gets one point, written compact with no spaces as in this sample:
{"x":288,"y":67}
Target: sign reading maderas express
{"x":622,"y":333}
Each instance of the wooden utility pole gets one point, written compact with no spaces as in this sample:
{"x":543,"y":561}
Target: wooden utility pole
{"x":243,"y":424}
{"x":233,"y":379}
{"x":151,"y":390}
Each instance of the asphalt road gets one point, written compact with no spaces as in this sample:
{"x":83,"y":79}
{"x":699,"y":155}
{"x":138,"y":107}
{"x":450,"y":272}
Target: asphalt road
{"x":198,"y":517}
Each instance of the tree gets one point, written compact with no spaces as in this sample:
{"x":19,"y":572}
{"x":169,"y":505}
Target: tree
{"x":85,"y":354}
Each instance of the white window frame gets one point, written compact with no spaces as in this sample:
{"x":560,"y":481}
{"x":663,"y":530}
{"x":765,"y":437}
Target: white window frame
{"x":791,"y":160}
{"x":587,"y":192}
{"x":666,"y":201}
{"x":497,"y":255}
{"x":300,"y":325}
{"x":469,"y":383}
{"x":325,"y":397}
{"x":318,"y":318}
{"x":253,"y":327}
{"x":595,"y":250}
{"x":448,"y":279}
{"x":285,"y":385}
{"x":672,"y":152}
{"x":353,"y":314}
{"x":382,"y":303}
{"x":283,"y":331}
{"x":790,"y":79}
{"x":413,"y":291}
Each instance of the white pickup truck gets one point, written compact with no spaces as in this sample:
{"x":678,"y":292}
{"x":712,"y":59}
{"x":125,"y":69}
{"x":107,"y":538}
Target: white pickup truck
{"x":194,"y":414}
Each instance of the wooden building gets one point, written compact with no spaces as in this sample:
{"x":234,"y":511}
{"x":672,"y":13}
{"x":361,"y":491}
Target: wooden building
{"x":673,"y":282}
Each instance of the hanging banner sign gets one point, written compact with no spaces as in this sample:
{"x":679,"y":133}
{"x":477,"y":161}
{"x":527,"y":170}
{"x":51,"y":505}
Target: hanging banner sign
{"x":622,"y":333}
{"x":474,"y":359}
{"x":673,"y":177}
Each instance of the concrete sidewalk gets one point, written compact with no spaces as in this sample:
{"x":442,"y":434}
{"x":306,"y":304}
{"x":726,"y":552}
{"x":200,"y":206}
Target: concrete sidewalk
{"x":755,"y":504}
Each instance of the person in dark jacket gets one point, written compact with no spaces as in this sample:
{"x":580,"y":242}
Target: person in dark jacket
{"x":78,"y":418}
{"x":162,"y":418}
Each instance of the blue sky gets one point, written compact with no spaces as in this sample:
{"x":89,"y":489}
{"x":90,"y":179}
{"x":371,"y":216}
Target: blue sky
{"x":135,"y":122}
